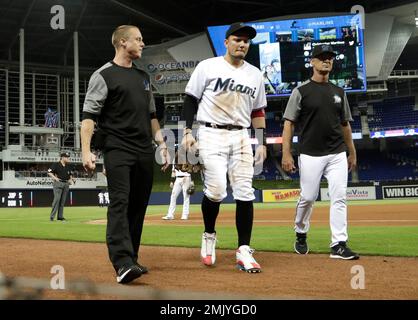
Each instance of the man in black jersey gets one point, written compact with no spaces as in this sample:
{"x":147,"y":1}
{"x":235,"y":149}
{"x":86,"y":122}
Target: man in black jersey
{"x":322,"y":114}
{"x":119,"y":99}
{"x":61,"y":172}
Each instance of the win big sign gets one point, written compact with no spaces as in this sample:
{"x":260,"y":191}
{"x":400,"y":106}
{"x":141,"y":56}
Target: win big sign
{"x":390,"y":192}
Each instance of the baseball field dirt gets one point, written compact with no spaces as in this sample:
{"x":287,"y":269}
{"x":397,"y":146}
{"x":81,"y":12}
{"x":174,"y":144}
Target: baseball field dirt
{"x":284,"y":276}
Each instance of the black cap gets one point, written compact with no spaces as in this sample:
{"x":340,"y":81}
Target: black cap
{"x":322,"y":48}
{"x":242,"y":28}
{"x":65,"y":154}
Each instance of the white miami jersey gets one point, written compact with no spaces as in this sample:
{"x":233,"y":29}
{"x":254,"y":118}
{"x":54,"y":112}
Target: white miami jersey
{"x":226,"y":94}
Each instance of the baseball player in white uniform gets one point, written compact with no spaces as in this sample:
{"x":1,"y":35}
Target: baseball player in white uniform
{"x":106,"y":198}
{"x":320,"y":110}
{"x":101,"y":199}
{"x":228,"y":95}
{"x":179,"y":181}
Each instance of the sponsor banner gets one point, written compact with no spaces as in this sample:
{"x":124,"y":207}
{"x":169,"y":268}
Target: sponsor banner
{"x":406,"y":191}
{"x":354,"y":193}
{"x":43,"y":182}
{"x":281,"y":195}
{"x":171,"y":63}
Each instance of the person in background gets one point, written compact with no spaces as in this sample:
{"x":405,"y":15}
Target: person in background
{"x":101,"y":198}
{"x":61,"y":173}
{"x":179,"y":181}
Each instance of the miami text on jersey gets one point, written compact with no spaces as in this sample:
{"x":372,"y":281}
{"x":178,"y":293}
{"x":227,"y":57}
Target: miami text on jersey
{"x":228,"y":84}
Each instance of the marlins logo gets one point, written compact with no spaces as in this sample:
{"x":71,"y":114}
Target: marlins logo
{"x":337,"y":98}
{"x":146,"y":85}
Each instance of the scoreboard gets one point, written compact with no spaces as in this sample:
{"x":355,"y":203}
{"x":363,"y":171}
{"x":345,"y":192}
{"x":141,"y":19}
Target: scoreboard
{"x":15,"y":198}
{"x":11,"y":198}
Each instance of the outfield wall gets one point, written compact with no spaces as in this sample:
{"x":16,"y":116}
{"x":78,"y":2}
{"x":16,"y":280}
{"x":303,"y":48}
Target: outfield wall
{"x":13,"y":198}
{"x":89,"y":197}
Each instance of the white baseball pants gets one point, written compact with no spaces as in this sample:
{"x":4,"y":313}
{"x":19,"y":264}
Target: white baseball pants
{"x":226,"y":152}
{"x":335,"y":169}
{"x":180,"y":184}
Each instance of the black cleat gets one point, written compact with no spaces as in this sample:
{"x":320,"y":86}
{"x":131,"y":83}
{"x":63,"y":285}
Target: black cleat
{"x":301,"y":246}
{"x":144,"y":269}
{"x":128,"y":274}
{"x":341,"y":251}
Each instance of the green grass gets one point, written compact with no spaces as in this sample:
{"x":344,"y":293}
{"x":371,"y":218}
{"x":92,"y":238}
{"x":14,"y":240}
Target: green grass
{"x":162,"y":182}
{"x":370,"y":240}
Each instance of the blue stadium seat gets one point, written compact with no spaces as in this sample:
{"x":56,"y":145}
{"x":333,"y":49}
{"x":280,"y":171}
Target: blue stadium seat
{"x":375,"y":166}
{"x":393,"y":113}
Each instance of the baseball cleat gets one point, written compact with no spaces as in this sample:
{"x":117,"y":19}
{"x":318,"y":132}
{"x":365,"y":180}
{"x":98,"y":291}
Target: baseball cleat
{"x":341,"y":251}
{"x":246,"y":261}
{"x":128,"y":274}
{"x":184,"y":217}
{"x":207,"y":251}
{"x":167,"y":217}
{"x":301,"y":246}
{"x":143,"y":269}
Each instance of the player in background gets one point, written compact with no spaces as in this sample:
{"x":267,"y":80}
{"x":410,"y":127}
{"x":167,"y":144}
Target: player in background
{"x":180,"y":181}
{"x":106,"y":198}
{"x":101,"y":198}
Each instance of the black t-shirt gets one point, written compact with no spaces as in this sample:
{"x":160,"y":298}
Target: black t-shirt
{"x":62,"y":172}
{"x":121,"y":100}
{"x":318,"y":109}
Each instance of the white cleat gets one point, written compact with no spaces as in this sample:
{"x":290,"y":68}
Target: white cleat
{"x":184,"y":217}
{"x":207,"y":252}
{"x":246,"y":261}
{"x":167,"y":217}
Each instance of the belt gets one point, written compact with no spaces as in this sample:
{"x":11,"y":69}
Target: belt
{"x":227,"y":126}
{"x":181,"y":176}
{"x":63,"y":180}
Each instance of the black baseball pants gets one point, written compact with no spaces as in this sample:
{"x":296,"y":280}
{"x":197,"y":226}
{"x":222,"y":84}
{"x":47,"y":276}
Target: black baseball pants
{"x":129,"y":178}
